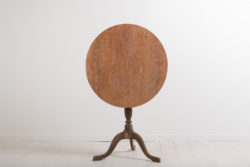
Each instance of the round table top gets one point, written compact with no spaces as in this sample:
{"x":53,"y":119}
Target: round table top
{"x":126,"y":65}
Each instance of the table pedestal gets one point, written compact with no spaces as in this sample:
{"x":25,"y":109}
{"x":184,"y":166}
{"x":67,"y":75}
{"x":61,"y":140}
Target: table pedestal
{"x":127,"y":133}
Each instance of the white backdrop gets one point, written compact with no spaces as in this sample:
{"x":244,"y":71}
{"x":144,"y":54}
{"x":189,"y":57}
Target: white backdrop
{"x":44,"y":93}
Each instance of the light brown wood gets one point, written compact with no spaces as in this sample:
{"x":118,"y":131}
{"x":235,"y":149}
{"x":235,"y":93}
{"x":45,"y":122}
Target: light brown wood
{"x":126,"y":65}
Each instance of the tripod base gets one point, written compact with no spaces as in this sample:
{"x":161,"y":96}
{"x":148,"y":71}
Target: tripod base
{"x":127,"y":133}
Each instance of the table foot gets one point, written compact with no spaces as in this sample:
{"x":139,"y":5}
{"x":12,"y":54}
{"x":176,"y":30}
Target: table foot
{"x":131,"y":144}
{"x":114,"y":142}
{"x":140,"y":141}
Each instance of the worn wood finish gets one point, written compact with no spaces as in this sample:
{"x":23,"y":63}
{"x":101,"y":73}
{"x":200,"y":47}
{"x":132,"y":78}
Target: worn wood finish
{"x":127,"y":133}
{"x":126,"y":65}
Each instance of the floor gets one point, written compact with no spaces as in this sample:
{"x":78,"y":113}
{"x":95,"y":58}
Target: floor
{"x":172,"y":153}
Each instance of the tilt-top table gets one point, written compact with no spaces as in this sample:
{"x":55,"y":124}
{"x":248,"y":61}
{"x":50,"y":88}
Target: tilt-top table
{"x":126,"y":67}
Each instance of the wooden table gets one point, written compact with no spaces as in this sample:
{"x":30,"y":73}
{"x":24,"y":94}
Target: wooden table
{"x":126,"y":67}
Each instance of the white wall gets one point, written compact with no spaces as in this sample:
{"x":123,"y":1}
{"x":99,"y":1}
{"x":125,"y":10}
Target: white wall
{"x":44,"y":93}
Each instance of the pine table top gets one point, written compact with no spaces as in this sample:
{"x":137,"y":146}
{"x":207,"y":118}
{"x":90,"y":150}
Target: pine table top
{"x":126,"y":65}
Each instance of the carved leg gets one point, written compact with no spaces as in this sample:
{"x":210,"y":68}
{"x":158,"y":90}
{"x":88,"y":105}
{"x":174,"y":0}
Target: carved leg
{"x":140,"y":141}
{"x":128,"y":133}
{"x":131,"y":144}
{"x":114,"y":142}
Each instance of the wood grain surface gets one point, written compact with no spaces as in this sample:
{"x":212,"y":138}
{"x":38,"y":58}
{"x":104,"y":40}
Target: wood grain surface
{"x":126,"y":65}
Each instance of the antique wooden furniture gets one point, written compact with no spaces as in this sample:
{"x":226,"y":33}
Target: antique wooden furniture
{"x":126,"y":67}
